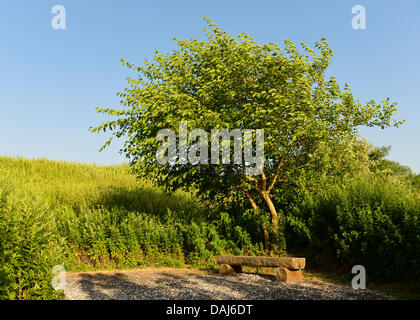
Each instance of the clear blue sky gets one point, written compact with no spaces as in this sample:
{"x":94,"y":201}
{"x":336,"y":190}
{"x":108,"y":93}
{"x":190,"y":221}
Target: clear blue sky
{"x":51,"y":80}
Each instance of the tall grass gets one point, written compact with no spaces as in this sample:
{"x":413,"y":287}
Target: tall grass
{"x":89,"y":217}
{"x":97,"y":217}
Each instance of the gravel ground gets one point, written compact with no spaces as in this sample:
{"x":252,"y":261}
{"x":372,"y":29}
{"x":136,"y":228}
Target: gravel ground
{"x":189,"y":284}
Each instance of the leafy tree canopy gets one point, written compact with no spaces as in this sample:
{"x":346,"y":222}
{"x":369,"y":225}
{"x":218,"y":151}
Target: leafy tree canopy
{"x":236,"y":83}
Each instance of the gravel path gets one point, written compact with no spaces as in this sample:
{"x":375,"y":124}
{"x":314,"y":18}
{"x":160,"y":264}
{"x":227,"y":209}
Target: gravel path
{"x":189,"y":284}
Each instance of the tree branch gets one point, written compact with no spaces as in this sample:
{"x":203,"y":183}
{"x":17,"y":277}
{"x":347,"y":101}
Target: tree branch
{"x":276,"y":175}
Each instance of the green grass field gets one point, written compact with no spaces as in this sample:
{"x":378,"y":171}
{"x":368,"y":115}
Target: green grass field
{"x":89,"y":217}
{"x":82,"y":185}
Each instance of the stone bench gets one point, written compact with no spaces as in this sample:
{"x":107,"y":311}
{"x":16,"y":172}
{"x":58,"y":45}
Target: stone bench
{"x":287,"y":268}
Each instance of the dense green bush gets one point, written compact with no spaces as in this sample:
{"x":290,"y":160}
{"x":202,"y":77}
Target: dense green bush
{"x":370,"y":220}
{"x":29,"y":248}
{"x":119,"y":238}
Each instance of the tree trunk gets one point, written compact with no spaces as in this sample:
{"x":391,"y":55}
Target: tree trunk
{"x":266,"y":234}
{"x":266,"y":239}
{"x":274,"y":219}
{"x":273,"y":211}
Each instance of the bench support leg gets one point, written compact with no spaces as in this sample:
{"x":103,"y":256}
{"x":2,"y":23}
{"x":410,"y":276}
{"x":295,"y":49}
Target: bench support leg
{"x":285,"y":275}
{"x":226,"y":269}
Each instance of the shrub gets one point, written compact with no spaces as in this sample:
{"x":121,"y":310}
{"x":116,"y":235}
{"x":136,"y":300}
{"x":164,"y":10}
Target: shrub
{"x":368,"y":220}
{"x":29,"y":248}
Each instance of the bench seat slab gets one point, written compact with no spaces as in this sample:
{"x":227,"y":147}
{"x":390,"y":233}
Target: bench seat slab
{"x":284,"y":262}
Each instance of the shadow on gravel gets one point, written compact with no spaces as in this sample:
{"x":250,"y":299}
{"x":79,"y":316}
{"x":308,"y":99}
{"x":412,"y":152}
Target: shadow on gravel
{"x":167,"y":286}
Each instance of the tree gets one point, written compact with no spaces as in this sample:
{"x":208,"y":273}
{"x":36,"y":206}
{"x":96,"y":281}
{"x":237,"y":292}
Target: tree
{"x":235,"y":83}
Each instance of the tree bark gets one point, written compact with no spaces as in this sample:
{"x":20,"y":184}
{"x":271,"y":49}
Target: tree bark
{"x":266,"y":239}
{"x":274,"y":219}
{"x":273,"y":211}
{"x":266,"y":234}
{"x":251,"y":200}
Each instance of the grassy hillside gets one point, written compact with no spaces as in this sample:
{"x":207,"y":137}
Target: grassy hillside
{"x":88,"y":217}
{"x":82,"y":185}
{"x":96,"y":217}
